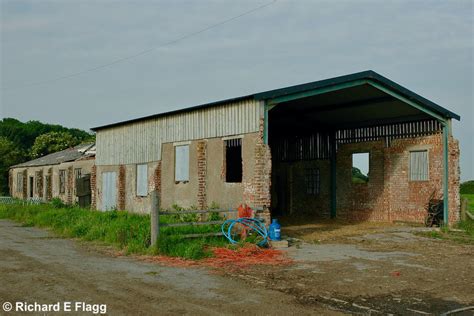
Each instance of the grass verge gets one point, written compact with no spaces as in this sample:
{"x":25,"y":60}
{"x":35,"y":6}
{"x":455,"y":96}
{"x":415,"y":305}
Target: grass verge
{"x":470,"y":203}
{"x":464,"y":234}
{"x":123,"y":230}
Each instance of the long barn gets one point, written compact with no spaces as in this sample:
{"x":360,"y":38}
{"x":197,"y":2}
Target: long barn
{"x":288,"y":152}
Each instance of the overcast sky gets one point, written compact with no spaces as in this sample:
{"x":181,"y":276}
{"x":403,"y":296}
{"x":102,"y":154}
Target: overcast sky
{"x":426,"y":46}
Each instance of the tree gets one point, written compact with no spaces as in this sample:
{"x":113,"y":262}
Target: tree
{"x":52,"y":142}
{"x":10,"y":155}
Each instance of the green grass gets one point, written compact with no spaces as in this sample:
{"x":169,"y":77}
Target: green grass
{"x":470,"y":203}
{"x":465,"y":236}
{"x":467,"y":187}
{"x":123,"y":230}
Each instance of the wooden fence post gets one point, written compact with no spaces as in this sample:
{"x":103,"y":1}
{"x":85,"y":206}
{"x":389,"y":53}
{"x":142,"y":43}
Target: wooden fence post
{"x":464,"y":210}
{"x":155,"y":218}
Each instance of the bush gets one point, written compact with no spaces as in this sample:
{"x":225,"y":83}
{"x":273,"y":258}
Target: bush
{"x":467,"y":187}
{"x":58,"y":203}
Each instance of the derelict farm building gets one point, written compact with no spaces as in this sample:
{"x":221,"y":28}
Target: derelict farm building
{"x":54,"y":176}
{"x":287,"y":152}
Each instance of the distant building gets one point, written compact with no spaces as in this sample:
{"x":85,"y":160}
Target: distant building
{"x":54,"y":175}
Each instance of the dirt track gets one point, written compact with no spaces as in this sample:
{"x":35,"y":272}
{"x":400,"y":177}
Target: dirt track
{"x":359,"y":269}
{"x":388,"y":270}
{"x":36,"y":267}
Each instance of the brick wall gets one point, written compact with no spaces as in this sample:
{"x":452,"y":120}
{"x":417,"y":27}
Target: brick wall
{"x":202,"y":172}
{"x":69,"y":185}
{"x":257,"y":190}
{"x":390,"y":195}
{"x":121,"y":188}
{"x":94,"y":187}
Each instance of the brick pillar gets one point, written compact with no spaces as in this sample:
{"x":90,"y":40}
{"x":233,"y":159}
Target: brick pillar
{"x":157,"y":182}
{"x":454,"y":181}
{"x":93,"y":187}
{"x":69,"y":184}
{"x":49,"y":185}
{"x":40,"y":183}
{"x":25,"y":185}
{"x":262,"y":177}
{"x":121,"y":188}
{"x":202,"y":174}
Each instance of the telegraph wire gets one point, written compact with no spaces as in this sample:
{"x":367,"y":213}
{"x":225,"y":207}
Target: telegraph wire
{"x":143,"y":52}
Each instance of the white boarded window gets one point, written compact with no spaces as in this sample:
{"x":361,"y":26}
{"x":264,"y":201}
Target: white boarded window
{"x":419,"y":165}
{"x":142,"y":180}
{"x":181,"y":166}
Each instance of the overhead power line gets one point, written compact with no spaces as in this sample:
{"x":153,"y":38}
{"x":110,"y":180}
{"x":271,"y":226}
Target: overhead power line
{"x":143,"y":52}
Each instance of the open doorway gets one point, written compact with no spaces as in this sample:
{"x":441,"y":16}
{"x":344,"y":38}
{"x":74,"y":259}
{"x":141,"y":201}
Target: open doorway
{"x":31,"y":187}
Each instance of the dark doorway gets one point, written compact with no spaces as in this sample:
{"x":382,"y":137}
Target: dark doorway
{"x":83,"y":190}
{"x":31,"y":187}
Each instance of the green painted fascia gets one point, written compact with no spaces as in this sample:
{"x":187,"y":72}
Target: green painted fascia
{"x":314,"y":92}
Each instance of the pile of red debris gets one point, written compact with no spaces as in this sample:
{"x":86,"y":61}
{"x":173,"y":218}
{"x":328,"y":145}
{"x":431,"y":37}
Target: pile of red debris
{"x":243,"y":257}
{"x":238,"y":258}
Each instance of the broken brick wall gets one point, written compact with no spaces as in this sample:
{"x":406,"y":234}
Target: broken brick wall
{"x":390,"y":195}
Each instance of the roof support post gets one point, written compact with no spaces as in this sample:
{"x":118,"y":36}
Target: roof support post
{"x":333,"y":212}
{"x":445,"y":173}
{"x":265,"y":123}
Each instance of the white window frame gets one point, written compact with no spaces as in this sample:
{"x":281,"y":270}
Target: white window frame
{"x":410,"y":166}
{"x":142,"y":180}
{"x":181,"y":162}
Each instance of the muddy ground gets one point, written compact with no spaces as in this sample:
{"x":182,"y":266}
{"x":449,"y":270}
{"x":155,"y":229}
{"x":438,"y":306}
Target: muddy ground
{"x":373,"y":269}
{"x":37,"y":267}
{"x":351,"y":269}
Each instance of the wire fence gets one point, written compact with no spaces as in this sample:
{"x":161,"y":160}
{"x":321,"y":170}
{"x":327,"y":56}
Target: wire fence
{"x":203,"y":213}
{"x":8,"y":200}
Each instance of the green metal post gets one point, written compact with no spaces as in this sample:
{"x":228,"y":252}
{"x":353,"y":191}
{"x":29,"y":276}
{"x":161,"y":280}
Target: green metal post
{"x":445,"y":173}
{"x":265,"y":123}
{"x":333,"y":176}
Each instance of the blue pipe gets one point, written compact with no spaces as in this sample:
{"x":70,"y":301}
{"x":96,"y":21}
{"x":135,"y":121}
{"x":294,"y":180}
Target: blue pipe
{"x":254,"y":224}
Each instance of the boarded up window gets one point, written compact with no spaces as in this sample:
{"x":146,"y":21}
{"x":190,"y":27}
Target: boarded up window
{"x":142,"y":180}
{"x":19,"y":182}
{"x":77,"y":173}
{"x":419,"y":165}
{"x":233,"y":160}
{"x":181,"y":166}
{"x":312,"y":179}
{"x":62,"y":181}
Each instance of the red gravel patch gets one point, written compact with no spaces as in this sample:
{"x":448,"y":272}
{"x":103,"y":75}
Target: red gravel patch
{"x":239,"y":258}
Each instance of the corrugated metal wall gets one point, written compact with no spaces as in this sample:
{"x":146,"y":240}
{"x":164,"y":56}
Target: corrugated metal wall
{"x":140,"y":142}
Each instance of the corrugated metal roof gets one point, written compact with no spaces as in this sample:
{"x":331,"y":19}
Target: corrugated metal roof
{"x":70,"y":154}
{"x":367,"y":75}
